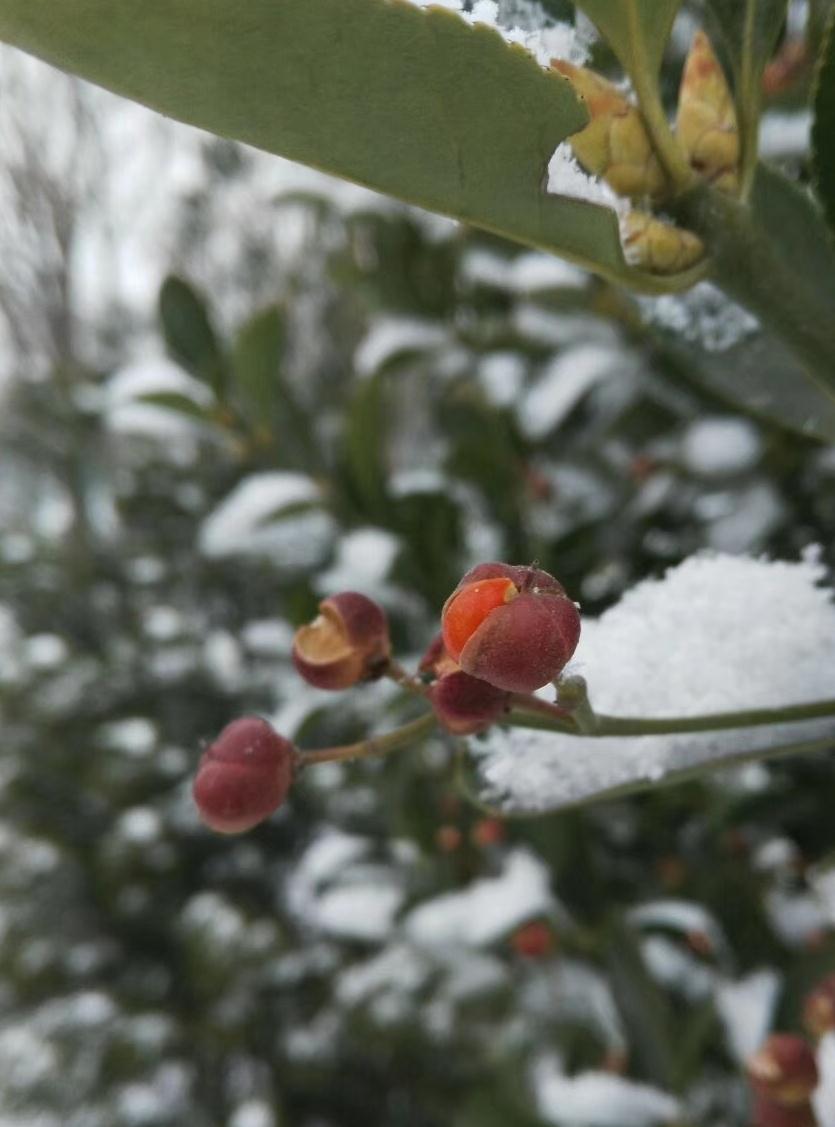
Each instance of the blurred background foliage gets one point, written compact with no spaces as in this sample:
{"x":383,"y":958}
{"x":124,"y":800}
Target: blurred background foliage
{"x":376,"y":400}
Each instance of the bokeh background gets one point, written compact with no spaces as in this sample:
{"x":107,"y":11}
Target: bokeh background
{"x":230,"y":387}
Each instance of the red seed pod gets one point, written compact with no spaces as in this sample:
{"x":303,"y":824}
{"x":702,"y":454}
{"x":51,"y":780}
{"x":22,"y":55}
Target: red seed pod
{"x":436,"y":661}
{"x":534,"y":940}
{"x":819,"y":1008}
{"x":346,"y":643}
{"x":487,"y":832}
{"x":448,"y":839}
{"x":512,"y":626}
{"x":766,"y":1113}
{"x":465,"y":705}
{"x":244,"y":776}
{"x":784,"y":1071}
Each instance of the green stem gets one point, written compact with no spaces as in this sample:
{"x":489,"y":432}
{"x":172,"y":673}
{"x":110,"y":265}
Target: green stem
{"x":645,"y":84}
{"x":750,"y":267}
{"x":375,"y":745}
{"x":663,"y":726}
{"x":698,"y":770}
{"x":748,"y":102}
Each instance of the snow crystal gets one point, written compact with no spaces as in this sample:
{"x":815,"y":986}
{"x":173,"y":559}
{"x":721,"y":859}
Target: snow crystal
{"x":242,"y":525}
{"x":502,"y":377}
{"x":134,"y":736}
{"x":785,"y":136}
{"x":563,"y":384}
{"x":393,"y":336}
{"x":716,"y":634}
{"x":824,"y":1097}
{"x":45,"y":651}
{"x":721,"y":445}
{"x":523,"y":274}
{"x":252,"y":1113}
{"x":523,"y":23}
{"x":703,"y":314}
{"x":745,"y":1007}
{"x":487,"y":909}
{"x":363,"y":560}
{"x":566,"y":178}
{"x":599,"y":1099}
{"x":359,"y":911}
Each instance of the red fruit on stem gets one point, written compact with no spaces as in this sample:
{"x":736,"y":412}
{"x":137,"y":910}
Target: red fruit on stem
{"x":534,"y":940}
{"x":784,"y":1070}
{"x":487,"y":832}
{"x":448,"y":839}
{"x":346,"y":643}
{"x":511,"y":626}
{"x":465,"y":705}
{"x":766,"y":1113}
{"x":244,"y":776}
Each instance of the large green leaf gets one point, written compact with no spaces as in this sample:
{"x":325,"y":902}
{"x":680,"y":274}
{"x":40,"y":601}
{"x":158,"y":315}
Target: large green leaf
{"x":636,"y":30}
{"x":256,"y":356}
{"x":415,"y":103}
{"x":823,"y":130}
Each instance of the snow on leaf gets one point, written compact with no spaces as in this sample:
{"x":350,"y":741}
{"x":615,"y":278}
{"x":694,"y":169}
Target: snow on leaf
{"x":600,"y":1099}
{"x":487,"y":909}
{"x":717,"y":634}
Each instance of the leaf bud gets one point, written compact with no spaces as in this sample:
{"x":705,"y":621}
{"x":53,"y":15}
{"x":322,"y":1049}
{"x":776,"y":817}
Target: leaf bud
{"x":615,"y":145}
{"x":706,"y":122}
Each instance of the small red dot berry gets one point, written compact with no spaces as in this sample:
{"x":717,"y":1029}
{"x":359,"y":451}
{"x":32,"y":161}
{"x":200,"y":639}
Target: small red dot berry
{"x":533,"y":940}
{"x":347,"y":643}
{"x":464,"y":704}
{"x":244,"y":776}
{"x":512,"y":626}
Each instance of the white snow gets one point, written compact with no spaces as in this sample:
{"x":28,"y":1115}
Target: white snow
{"x":785,"y":135}
{"x":249,"y":521}
{"x":522,"y":274}
{"x":824,"y":1097}
{"x":566,"y":178}
{"x":703,"y":315}
{"x":502,"y":377}
{"x":359,"y":911}
{"x":394,"y":336}
{"x":562,"y":385}
{"x":716,"y":634}
{"x":599,"y":1099}
{"x":487,"y":909}
{"x":746,"y":1007}
{"x":364,"y":558}
{"x":719,"y":445}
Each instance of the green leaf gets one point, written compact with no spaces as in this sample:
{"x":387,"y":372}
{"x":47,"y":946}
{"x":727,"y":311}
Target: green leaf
{"x":823,"y":129}
{"x":636,"y":30}
{"x":256,"y":358}
{"x":189,"y":335}
{"x":415,"y":103}
{"x":182,"y":404}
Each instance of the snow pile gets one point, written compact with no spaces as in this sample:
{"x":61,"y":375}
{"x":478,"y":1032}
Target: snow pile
{"x":716,"y":634}
{"x":259,"y":518}
{"x":487,"y":909}
{"x":523,"y":23}
{"x":746,"y":1008}
{"x":565,"y":381}
{"x":716,"y":446}
{"x":566,"y":178}
{"x":599,"y":1099}
{"x":703,"y":315}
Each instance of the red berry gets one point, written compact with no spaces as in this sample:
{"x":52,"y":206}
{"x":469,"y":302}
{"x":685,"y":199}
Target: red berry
{"x":448,"y":839}
{"x":465,"y":705}
{"x":784,"y":1070}
{"x":347,"y":643}
{"x":243,"y":776}
{"x":819,"y":1008}
{"x":533,"y":941}
{"x":487,"y":832}
{"x":511,"y":626}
